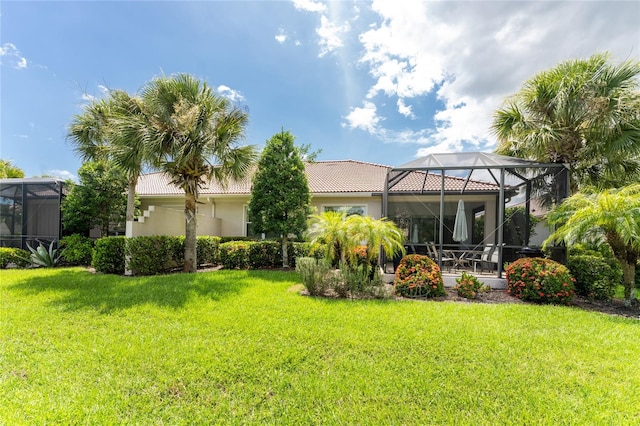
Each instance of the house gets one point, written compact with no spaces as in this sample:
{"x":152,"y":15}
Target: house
{"x":348,"y":185}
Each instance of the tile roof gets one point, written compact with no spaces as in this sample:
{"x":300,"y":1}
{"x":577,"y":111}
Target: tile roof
{"x":325,"y":177}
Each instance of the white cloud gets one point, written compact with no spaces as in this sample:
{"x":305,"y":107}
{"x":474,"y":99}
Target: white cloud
{"x":16,"y":60}
{"x":62,"y":174}
{"x":87,"y":97}
{"x":330,"y":35}
{"x":282,"y":36}
{"x":229,"y":93}
{"x":103,"y":89}
{"x":310,"y":6}
{"x":364,"y":118}
{"x":22,"y":136}
{"x":470,"y":56}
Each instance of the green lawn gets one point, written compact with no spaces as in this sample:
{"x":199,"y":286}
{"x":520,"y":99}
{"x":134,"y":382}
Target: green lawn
{"x":243,"y":347}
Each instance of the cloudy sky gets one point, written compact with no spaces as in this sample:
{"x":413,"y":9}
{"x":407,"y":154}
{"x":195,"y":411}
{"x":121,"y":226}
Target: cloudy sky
{"x":380,"y":81}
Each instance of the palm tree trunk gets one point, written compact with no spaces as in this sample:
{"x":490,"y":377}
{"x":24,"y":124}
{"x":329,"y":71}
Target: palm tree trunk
{"x":131,"y":198}
{"x":190,"y":261}
{"x":285,"y":254}
{"x":628,"y":277}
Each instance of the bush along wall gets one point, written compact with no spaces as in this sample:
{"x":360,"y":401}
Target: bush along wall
{"x":108,"y":255}
{"x":418,"y":276}
{"x":540,"y":280}
{"x":76,"y":250}
{"x":14,"y":256}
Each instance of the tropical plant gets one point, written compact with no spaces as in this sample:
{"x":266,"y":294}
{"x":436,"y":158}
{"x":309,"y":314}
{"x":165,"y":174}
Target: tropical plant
{"x":76,"y":249}
{"x":194,"y":134}
{"x":613,"y":215}
{"x":9,"y":170}
{"x":42,"y":256}
{"x":343,"y":235}
{"x":418,"y":276}
{"x":540,"y":280}
{"x":468,"y":286}
{"x":112,"y":129}
{"x":583,"y":113}
{"x":280,"y":171}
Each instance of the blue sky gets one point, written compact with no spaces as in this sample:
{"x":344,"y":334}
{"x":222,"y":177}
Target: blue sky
{"x":381,"y":81}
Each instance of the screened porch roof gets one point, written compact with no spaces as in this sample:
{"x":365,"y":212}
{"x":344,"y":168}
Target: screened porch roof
{"x":470,"y":160}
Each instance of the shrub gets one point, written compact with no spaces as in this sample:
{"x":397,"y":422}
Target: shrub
{"x":418,"y":276}
{"x":468,"y":286}
{"x":21,"y":258}
{"x":360,"y":281}
{"x":175,"y":249}
{"x":539,"y":280}
{"x":77,"y":250}
{"x":234,"y":254}
{"x":314,"y":274}
{"x":596,"y":277}
{"x":108,"y":255}
{"x":150,"y":255}
{"x":264,"y":254}
{"x":207,"y":250}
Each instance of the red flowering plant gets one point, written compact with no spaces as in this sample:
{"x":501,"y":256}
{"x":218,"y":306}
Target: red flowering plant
{"x":468,"y":286}
{"x":540,"y":280}
{"x":418,"y":276}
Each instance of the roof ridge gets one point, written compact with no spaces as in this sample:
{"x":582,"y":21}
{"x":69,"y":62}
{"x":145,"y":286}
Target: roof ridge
{"x":350,"y":161}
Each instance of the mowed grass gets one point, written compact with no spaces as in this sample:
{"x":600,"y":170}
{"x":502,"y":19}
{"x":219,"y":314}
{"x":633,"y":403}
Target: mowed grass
{"x":243,"y":347}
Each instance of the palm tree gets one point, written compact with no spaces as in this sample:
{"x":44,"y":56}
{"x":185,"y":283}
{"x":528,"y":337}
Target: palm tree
{"x":612,"y":215}
{"x":329,"y":228}
{"x":381,"y":234}
{"x":9,"y":170}
{"x":112,"y":129}
{"x":584,"y":113}
{"x":194,"y":134}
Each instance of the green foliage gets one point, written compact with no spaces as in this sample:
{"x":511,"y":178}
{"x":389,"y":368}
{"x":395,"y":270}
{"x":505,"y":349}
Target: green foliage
{"x":150,"y":255}
{"x":360,"y":281}
{"x":9,"y":171}
{"x":582,"y":112}
{"x":514,"y":225}
{"x":314,"y":274}
{"x":280,"y":193}
{"x":612,"y":215}
{"x":109,"y":255}
{"x":540,"y":280}
{"x":340,"y":235}
{"x":207,"y":249}
{"x":418,"y":276}
{"x":44,"y":257}
{"x":235,"y":254}
{"x":21,"y":258}
{"x":264,"y":254}
{"x":468,"y":286}
{"x":596,"y":277}
{"x":76,"y":250}
{"x":98,"y":200}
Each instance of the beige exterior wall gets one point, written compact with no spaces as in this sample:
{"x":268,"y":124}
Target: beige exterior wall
{"x":225,"y":215}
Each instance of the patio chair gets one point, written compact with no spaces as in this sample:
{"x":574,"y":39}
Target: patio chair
{"x":489,"y":257}
{"x":447,"y":258}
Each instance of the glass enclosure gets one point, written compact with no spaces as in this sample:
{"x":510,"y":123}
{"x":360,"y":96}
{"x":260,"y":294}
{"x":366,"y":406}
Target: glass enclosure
{"x":30,"y":211}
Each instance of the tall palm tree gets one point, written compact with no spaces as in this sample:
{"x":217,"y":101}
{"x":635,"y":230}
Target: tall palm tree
{"x":9,"y":170}
{"x":582,"y":112}
{"x":614,"y":215}
{"x":111,"y":129}
{"x":194,"y":134}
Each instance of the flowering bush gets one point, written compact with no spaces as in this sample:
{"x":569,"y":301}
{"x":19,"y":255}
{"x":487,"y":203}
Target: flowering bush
{"x":418,"y":276}
{"x":540,"y":280}
{"x":469,"y":286}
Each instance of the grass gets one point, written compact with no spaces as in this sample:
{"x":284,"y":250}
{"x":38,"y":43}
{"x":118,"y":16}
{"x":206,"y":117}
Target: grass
{"x":241,"y":347}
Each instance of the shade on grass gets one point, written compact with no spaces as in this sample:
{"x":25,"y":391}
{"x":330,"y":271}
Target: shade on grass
{"x":242,"y":347}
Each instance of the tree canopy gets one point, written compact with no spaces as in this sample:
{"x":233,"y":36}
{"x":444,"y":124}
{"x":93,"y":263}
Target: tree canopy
{"x":583,"y":112}
{"x":98,"y":200}
{"x":280,"y":193}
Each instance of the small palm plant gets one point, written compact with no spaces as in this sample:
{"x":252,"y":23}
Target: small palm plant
{"x":41,"y":256}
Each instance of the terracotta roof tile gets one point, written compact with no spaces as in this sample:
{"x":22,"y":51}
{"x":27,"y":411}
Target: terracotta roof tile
{"x":342,"y":176}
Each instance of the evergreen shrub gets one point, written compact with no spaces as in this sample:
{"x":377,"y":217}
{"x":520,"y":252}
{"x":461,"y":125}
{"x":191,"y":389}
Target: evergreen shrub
{"x":315,"y":274}
{"x":76,"y":250}
{"x":596,"y":277}
{"x":20,"y":258}
{"x":108,"y":255}
{"x":235,"y":254}
{"x":150,"y":255}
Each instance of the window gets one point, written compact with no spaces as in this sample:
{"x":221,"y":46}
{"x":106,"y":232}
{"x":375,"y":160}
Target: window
{"x":348,"y":209}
